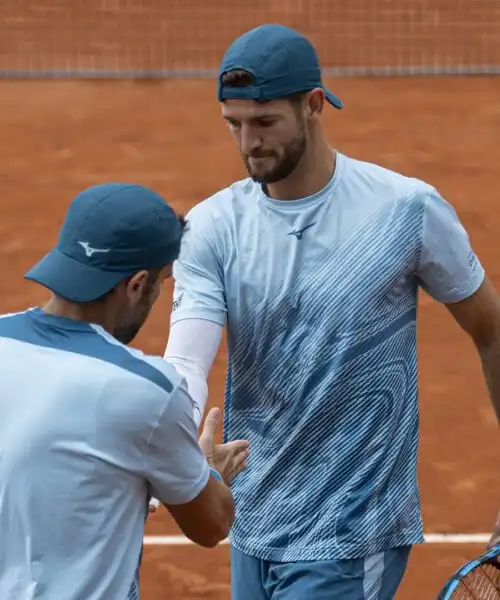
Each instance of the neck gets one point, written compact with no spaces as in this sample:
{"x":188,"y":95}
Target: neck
{"x":311,"y":175}
{"x":93,"y":312}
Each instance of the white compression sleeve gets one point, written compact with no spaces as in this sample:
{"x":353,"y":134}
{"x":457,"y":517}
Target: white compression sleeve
{"x":192,"y":347}
{"x":191,"y":350}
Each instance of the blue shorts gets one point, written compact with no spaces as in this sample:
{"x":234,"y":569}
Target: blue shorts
{"x":376,"y":577}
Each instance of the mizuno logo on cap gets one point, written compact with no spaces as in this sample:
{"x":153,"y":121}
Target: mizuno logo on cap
{"x":89,"y":251}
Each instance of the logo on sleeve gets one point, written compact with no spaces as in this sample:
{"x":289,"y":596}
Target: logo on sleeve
{"x":177,"y":302}
{"x":472,"y":261}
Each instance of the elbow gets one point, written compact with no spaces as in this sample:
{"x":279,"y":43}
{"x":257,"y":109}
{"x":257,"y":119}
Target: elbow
{"x":215,"y":537}
{"x":211,"y":543}
{"x":222,"y":529}
{"x":227,"y":523}
{"x":206,"y":520}
{"x":218,"y":527}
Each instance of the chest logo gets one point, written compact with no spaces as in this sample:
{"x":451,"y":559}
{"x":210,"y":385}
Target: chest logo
{"x":298,"y":233}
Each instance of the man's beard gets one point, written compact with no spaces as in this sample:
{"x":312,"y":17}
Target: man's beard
{"x":127,"y":333}
{"x":286,"y":166}
{"x":126,"y":330}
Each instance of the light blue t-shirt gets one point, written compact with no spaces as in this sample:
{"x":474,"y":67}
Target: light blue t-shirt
{"x":87,"y":428}
{"x":320,"y":300}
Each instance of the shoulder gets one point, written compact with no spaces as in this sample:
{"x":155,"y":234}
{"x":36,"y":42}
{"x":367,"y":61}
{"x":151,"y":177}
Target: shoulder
{"x":224,"y":203}
{"x":92,"y":360}
{"x":211,"y":222}
{"x":148,"y":371}
{"x":136,"y":394}
{"x":145,"y":389}
{"x":385,"y":184}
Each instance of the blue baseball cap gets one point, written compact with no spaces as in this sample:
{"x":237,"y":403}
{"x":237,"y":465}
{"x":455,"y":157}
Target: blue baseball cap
{"x":111,"y":232}
{"x":282,"y":61}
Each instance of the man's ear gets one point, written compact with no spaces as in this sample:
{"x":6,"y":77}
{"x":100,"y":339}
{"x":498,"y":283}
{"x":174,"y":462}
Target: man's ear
{"x":134,"y":286}
{"x":315,"y":103}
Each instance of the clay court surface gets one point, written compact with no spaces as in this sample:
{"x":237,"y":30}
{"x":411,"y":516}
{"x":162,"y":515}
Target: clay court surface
{"x":58,"y":137}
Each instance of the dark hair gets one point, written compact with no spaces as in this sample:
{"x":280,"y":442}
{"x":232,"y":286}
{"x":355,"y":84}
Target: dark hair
{"x":242,"y":78}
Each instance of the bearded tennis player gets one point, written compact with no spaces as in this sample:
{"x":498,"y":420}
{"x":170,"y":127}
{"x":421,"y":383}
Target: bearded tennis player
{"x":313,"y":264}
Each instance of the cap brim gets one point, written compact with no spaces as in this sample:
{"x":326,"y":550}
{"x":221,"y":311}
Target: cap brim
{"x":73,"y":280}
{"x":333,"y":100}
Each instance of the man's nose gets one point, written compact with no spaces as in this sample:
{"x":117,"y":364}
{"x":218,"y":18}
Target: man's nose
{"x":250,"y":141}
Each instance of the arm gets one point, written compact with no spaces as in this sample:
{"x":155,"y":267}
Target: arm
{"x":452,"y":274}
{"x":450,"y":271}
{"x":178,"y":471}
{"x":199,"y":306}
{"x":208,"y":518}
{"x":479,"y":317}
{"x":197,"y":320}
{"x":191,"y":349}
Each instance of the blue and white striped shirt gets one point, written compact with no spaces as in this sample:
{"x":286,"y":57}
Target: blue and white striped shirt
{"x":320,"y":300}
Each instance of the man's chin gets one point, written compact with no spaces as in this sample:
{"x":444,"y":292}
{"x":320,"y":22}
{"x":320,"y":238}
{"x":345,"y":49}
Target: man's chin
{"x":258,"y":178}
{"x":262,"y":176}
{"x":266,"y":178}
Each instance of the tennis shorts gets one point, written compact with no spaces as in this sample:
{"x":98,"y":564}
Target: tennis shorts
{"x":376,"y":577}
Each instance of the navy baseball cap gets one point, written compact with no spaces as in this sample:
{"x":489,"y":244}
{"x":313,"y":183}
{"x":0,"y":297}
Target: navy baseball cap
{"x":111,"y":232}
{"x":282,"y":61}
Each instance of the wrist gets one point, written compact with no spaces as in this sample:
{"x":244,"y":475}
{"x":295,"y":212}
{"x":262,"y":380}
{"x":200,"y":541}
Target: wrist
{"x":214,"y":473}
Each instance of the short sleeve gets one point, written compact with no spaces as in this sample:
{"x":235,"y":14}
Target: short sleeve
{"x":448,"y":268}
{"x":176,"y":467}
{"x":198,"y":278}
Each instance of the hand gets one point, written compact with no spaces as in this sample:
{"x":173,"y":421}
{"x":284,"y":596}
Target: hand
{"x":227,"y":459}
{"x":495,"y":536}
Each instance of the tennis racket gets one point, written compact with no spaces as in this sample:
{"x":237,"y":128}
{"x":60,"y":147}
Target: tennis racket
{"x":479,"y":579}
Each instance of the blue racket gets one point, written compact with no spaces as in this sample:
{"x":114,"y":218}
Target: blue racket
{"x":479,"y":579}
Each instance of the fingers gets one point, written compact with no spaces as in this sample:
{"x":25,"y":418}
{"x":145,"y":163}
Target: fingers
{"x":210,"y":425}
{"x":236,"y":446}
{"x":229,"y":458}
{"x":239,"y":461}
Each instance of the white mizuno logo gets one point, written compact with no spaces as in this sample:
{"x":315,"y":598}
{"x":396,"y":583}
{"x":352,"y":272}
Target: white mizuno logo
{"x":89,"y":251}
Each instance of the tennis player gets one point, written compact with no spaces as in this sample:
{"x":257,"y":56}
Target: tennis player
{"x":89,"y":427}
{"x":314,"y":263}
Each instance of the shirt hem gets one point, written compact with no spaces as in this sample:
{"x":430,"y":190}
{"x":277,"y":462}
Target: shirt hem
{"x":466,"y":290}
{"x":333,"y":551}
{"x":194,"y":490}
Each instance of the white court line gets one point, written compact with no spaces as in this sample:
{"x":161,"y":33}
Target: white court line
{"x":430,"y":538}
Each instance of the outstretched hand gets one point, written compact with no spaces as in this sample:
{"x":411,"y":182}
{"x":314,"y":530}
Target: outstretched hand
{"x":228,"y":459}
